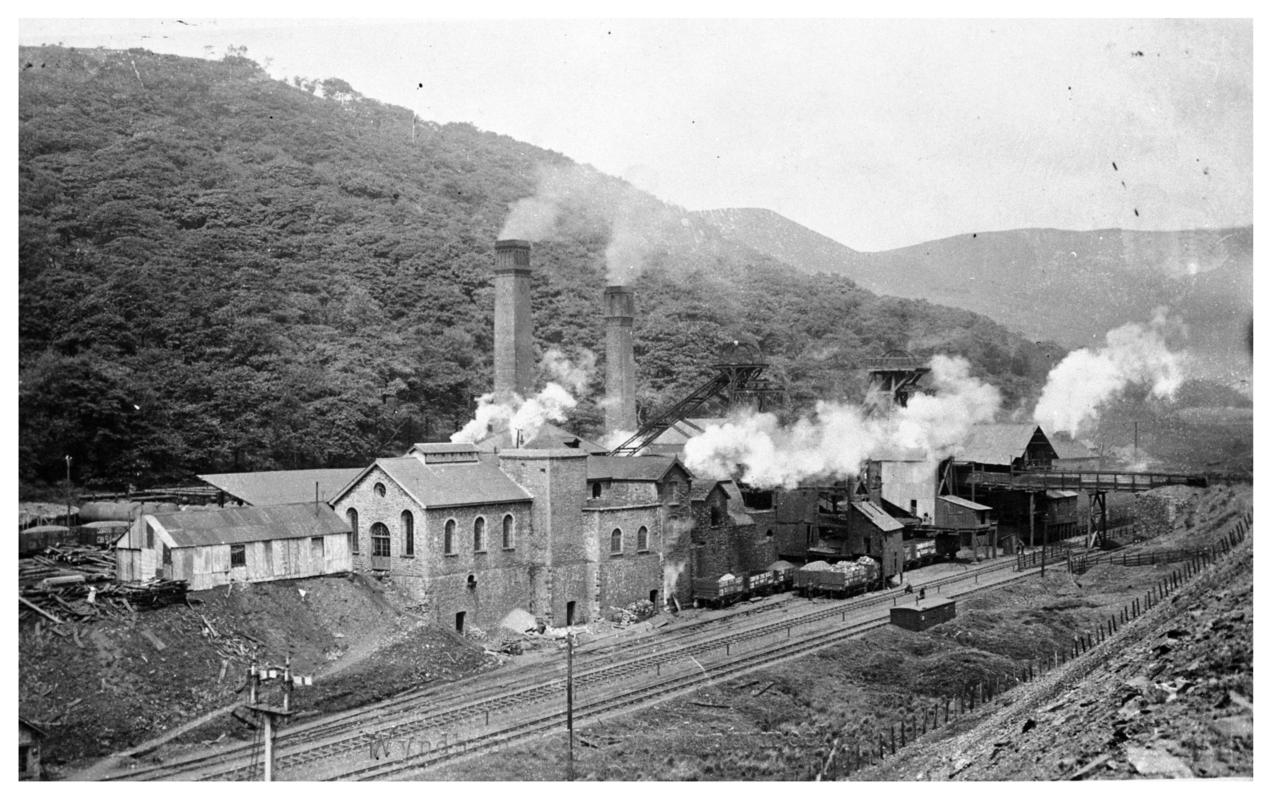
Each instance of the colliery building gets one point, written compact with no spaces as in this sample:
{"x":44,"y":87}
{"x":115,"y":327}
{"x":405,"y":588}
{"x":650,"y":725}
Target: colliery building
{"x":545,"y":521}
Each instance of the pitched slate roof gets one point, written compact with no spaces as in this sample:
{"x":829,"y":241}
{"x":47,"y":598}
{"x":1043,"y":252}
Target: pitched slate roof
{"x":997,"y":443}
{"x":250,"y":524}
{"x":447,"y":485}
{"x":282,"y":486}
{"x":1066,"y":447}
{"x":877,"y":516}
{"x":632,"y":468}
{"x":549,"y":437}
{"x":959,"y":501}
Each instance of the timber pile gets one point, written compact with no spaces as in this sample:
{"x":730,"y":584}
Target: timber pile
{"x":72,"y":583}
{"x":65,"y":561}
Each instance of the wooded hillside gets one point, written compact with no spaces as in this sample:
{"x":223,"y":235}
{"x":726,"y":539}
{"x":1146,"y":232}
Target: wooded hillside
{"x":221,"y":271}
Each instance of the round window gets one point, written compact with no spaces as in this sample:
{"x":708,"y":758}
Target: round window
{"x":380,"y":490}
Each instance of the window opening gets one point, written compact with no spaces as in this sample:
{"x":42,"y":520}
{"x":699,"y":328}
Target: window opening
{"x":479,"y":534}
{"x":380,"y":540}
{"x":616,"y":541}
{"x":238,"y":555}
{"x":408,"y":534}
{"x":448,"y":538}
{"x":508,"y":532}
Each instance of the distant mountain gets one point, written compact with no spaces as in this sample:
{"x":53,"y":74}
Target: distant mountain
{"x":219,"y":271}
{"x":1067,"y":286}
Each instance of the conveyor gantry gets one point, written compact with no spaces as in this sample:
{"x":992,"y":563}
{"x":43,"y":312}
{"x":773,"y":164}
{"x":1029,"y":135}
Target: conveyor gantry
{"x":737,"y":372}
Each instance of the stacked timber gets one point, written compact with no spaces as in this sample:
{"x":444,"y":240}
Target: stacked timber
{"x":78,"y":583}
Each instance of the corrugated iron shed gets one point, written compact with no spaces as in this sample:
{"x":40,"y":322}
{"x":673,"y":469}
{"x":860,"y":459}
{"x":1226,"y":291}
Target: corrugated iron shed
{"x":250,"y":524}
{"x":876,"y":516}
{"x":998,"y":443}
{"x":282,"y":486}
{"x":960,"y":501}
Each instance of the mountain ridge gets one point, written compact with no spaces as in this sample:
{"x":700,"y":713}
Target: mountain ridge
{"x":1082,"y":283}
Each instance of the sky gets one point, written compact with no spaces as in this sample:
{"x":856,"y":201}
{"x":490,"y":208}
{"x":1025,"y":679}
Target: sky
{"x":877,"y":133}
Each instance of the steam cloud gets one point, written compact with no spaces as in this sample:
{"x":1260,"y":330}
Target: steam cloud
{"x":1133,"y":355}
{"x":564,"y":193}
{"x":835,"y":441}
{"x":567,"y":380}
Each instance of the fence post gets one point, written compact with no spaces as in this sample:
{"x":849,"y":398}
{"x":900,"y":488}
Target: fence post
{"x":947,"y":710}
{"x":892,"y":738}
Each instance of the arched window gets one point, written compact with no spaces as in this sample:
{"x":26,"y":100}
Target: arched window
{"x":352,"y":514}
{"x":379,"y":540}
{"x":616,"y":541}
{"x":408,"y":534}
{"x":379,"y":489}
{"x":643,"y":539}
{"x":596,"y":489}
{"x":479,"y":535}
{"x":508,"y":532}
{"x":448,"y":538}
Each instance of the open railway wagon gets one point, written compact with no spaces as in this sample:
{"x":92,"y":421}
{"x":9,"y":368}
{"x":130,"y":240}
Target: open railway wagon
{"x":719,"y":591}
{"x":842,"y":579}
{"x":725,"y":589}
{"x":918,"y":552}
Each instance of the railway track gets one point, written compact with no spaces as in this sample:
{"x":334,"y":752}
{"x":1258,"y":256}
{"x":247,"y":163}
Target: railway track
{"x":469,"y":707}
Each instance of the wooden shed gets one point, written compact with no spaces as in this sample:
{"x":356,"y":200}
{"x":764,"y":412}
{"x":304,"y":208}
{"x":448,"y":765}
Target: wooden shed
{"x":923,"y":615}
{"x":249,"y":544}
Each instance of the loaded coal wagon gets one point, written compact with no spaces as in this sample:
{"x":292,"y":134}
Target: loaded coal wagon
{"x":719,"y":591}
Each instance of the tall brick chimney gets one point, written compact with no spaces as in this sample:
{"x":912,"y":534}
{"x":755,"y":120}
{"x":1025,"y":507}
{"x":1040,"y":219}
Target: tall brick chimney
{"x":513,"y":346}
{"x":620,"y":403}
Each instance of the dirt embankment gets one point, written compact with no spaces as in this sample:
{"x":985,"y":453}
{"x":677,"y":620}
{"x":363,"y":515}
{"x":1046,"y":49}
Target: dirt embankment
{"x":111,"y":685}
{"x":1177,"y":702}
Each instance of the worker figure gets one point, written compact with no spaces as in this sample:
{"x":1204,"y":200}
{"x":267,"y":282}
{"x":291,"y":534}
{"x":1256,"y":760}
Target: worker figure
{"x":908,"y":589}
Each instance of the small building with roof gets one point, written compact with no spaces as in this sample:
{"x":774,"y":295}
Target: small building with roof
{"x":209,"y":548}
{"x":278,"y":487}
{"x":547,"y":437}
{"x":448,"y":525}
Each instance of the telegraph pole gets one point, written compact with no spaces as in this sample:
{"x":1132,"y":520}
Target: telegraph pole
{"x":270,"y":713}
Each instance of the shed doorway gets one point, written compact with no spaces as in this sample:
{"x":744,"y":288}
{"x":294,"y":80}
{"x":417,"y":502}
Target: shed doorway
{"x":570,"y":613}
{"x":654,"y":598}
{"x":459,"y":622}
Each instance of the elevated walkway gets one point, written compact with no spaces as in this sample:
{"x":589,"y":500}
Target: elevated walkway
{"x":1080,"y":480}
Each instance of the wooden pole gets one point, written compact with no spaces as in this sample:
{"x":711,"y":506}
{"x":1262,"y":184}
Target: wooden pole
{"x":269,"y":746}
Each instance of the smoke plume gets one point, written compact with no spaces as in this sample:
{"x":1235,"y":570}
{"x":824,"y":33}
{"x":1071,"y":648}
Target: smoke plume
{"x":636,"y":222}
{"x":678,"y":528}
{"x":567,"y":380}
{"x":837,"y":438}
{"x":1134,"y":355}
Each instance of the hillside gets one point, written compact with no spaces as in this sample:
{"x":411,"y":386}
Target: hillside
{"x":1065,"y":286}
{"x":219,"y":271}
